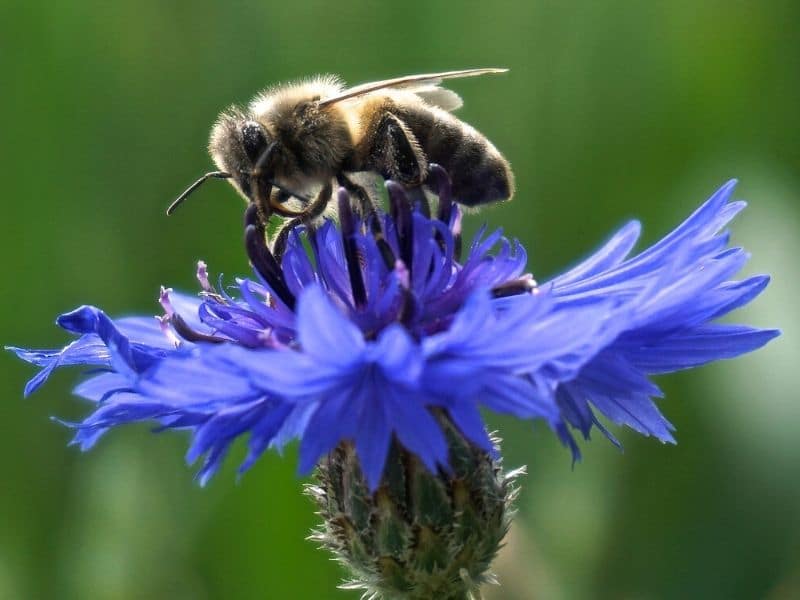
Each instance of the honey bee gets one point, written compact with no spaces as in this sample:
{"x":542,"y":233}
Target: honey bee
{"x":298,"y":139}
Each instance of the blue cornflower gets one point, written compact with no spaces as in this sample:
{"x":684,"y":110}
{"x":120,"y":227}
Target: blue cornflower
{"x":368,"y":331}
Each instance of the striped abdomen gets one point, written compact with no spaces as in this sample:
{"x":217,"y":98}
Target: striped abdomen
{"x":479,"y":172}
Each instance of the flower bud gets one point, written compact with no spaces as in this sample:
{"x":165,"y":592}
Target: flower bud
{"x":420,"y":535}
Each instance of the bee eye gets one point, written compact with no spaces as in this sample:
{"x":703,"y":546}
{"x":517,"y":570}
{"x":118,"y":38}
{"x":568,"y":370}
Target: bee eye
{"x":253,"y":140}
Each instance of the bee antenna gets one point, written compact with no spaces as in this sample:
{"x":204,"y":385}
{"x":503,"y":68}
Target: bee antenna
{"x":188,"y":191}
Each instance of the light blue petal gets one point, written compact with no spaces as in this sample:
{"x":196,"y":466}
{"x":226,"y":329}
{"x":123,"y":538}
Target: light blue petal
{"x":324,"y":332}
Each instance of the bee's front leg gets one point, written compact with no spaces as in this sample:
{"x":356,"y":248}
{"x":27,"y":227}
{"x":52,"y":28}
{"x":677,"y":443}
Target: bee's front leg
{"x":312,"y":211}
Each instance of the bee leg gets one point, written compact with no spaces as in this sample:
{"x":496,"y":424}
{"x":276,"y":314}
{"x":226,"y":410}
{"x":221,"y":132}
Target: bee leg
{"x":396,"y":153}
{"x":261,"y":186}
{"x":280,"y":196}
{"x":369,"y":211}
{"x":314,"y":210}
{"x":261,"y":193}
{"x":366,"y":205}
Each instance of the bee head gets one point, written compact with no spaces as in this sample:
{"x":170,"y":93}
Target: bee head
{"x":240,"y":146}
{"x":244,"y":153}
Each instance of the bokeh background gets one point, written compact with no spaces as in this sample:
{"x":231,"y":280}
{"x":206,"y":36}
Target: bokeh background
{"x":612,"y":110}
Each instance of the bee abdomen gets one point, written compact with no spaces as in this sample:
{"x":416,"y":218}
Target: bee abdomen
{"x":479,"y":173}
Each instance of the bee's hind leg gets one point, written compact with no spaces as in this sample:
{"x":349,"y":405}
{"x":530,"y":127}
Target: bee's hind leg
{"x":312,"y":211}
{"x":396,"y":153}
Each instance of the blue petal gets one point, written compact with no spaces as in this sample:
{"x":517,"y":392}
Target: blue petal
{"x":468,"y":419}
{"x":332,"y":422}
{"x":636,"y":411}
{"x":324,"y":332}
{"x":417,"y":430}
{"x":222,"y":427}
{"x":204,"y":377}
{"x":373,"y":437}
{"x":98,"y":388}
{"x":699,"y":346}
{"x":399,"y":357}
{"x":517,"y":396}
{"x":124,"y":357}
{"x":610,"y":255}
{"x":264,"y":432}
{"x":289,"y":373}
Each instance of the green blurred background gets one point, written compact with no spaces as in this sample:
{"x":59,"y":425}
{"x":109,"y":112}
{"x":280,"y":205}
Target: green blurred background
{"x":611,"y":110}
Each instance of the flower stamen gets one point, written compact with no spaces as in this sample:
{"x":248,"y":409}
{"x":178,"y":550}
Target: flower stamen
{"x":163,"y":300}
{"x":184,"y":330}
{"x":262,"y":259}
{"x":202,"y":276}
{"x":347,"y":221}
{"x":523,"y":285}
{"x":402,"y":216}
{"x":163,"y":323}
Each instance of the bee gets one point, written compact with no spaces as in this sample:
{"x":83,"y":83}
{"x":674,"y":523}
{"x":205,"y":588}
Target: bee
{"x":297,"y":139}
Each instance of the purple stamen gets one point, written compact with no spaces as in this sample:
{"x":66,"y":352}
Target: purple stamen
{"x":163,"y":300}
{"x":262,"y":259}
{"x":163,"y":323}
{"x":403,"y":276}
{"x":190,"y":335}
{"x":401,"y":213}
{"x":350,"y":248}
{"x":523,"y":285}
{"x":417,"y":199}
{"x":202,"y":276}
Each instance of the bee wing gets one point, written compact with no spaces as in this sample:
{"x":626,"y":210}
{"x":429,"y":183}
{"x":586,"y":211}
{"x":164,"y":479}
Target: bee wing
{"x":438,"y":96}
{"x":429,"y":80}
